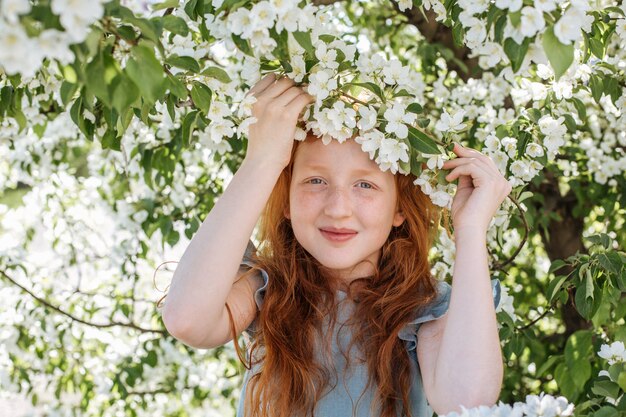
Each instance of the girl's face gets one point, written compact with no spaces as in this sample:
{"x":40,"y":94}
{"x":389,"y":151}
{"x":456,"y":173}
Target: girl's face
{"x":337,"y":186}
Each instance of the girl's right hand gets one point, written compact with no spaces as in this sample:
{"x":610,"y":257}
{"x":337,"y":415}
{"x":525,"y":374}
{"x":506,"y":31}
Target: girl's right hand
{"x":278,"y":106}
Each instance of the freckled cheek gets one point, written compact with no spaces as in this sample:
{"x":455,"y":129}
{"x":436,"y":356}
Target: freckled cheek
{"x":305,"y":205}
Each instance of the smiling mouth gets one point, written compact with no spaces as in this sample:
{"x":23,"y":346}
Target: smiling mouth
{"x":337,"y":237}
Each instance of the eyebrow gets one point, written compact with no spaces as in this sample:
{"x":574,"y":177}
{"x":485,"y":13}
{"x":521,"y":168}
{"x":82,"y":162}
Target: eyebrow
{"x":359,"y":171}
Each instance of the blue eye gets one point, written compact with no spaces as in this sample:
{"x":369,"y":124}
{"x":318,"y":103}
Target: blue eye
{"x":314,"y":179}
{"x":369,"y":186}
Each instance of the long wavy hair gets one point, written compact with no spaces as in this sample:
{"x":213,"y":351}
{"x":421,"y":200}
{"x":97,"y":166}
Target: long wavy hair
{"x":300,"y":296}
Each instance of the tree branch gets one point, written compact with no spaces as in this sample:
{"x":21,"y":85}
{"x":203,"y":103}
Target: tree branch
{"x":74,"y":318}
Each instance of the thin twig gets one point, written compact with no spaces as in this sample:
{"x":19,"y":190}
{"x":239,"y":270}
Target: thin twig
{"x":526,"y":230}
{"x":74,"y":318}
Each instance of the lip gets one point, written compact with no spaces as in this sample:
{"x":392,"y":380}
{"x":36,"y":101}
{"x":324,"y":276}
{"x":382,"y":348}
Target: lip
{"x":338,"y":235}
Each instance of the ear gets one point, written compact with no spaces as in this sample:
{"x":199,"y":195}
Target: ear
{"x":286,"y":213}
{"x":398,"y":219}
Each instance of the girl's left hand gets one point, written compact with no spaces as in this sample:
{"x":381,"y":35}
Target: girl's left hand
{"x":480,"y":191}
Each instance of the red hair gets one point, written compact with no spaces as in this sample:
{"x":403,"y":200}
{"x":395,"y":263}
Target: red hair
{"x":300,"y":296}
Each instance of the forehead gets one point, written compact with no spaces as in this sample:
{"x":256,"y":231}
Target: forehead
{"x":314,"y":154}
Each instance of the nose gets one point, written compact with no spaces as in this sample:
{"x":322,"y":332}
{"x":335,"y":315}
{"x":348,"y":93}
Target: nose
{"x":338,"y":203}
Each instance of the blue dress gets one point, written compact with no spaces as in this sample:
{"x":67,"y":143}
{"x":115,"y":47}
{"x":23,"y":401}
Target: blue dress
{"x":350,"y":395}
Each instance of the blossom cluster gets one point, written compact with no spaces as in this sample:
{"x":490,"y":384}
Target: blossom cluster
{"x":522,"y":21}
{"x":331,"y":117}
{"x":76,"y":17}
{"x":535,"y":405}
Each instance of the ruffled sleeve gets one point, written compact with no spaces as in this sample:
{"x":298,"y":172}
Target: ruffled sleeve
{"x":436,"y":309}
{"x":260,"y":293}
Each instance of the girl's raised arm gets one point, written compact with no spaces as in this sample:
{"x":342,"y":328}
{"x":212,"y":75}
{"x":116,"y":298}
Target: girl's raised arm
{"x":194,"y":311}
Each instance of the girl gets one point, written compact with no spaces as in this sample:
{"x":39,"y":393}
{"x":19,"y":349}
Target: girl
{"x":343,"y":315}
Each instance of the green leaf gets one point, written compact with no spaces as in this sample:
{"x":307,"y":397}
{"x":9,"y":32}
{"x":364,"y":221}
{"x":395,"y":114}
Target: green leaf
{"x":516,"y":52}
{"x":555,"y":285}
{"x":76,"y":113}
{"x":175,"y":25}
{"x":616,"y":370}
{"x":177,"y":87}
{"x":67,"y":92}
{"x":606,"y":263}
{"x":151,"y":359}
{"x":578,"y":350}
{"x":201,"y":96}
{"x":596,"y":47}
{"x":605,"y":388}
{"x":374,"y":88}
{"x":580,"y":108}
{"x":402,"y":93}
{"x":124,"y":94}
{"x":165,"y":4}
{"x":612,"y":87}
{"x":547,"y":365}
{"x":184,"y":62}
{"x":588,"y":297}
{"x":422,"y":142}
{"x":570,"y":123}
{"x":560,"y":56}
{"x":304,"y":39}
{"x":621,"y":379}
{"x":217,"y":73}
{"x":534,"y":115}
{"x":149,"y":29}
{"x":499,"y":28}
{"x":423,"y":122}
{"x":567,"y":386}
{"x":100,"y":72}
{"x":458,"y":34}
{"x":243,"y":45}
{"x":588,"y":284}
{"x":110,"y":141}
{"x":606,"y":411}
{"x":414,"y":108}
{"x":189,"y":122}
{"x":597,"y":87}
{"x":127,"y":32}
{"x":145,"y":70}
{"x":556,"y":264}
{"x":69,"y":73}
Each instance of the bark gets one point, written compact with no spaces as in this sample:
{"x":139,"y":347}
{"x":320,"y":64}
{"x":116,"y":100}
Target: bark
{"x":561,"y":239}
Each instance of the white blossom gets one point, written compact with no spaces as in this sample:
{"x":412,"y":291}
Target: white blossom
{"x":299,"y":68}
{"x":321,"y":83}
{"x":448,"y":122}
{"x":11,"y":9}
{"x":327,"y":56}
{"x":370,"y":141}
{"x":550,"y":126}
{"x":532,"y":21}
{"x":545,"y":5}
{"x":613,"y":353}
{"x":368,"y":118}
{"x":262,"y":15}
{"x":397,"y":117}
{"x":512,"y":5}
{"x":395,"y":73}
{"x":534,"y":150}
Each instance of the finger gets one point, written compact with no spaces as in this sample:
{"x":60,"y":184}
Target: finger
{"x":469,"y":152}
{"x":471,"y":169}
{"x":263,"y":84}
{"x":453,"y":163}
{"x":288,"y":95}
{"x":472,"y":154}
{"x":278,"y":87}
{"x":297,"y":104}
